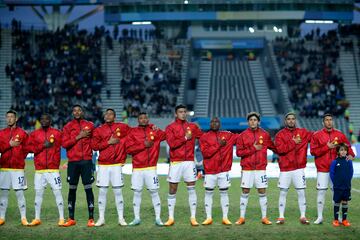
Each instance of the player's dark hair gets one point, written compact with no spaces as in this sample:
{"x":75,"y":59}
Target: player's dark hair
{"x":77,"y":105}
{"x":253,"y":114}
{"x":179,"y":106}
{"x":327,"y":115}
{"x":340,"y":146}
{"x":46,"y":114}
{"x":111,"y":109}
{"x":11,"y":111}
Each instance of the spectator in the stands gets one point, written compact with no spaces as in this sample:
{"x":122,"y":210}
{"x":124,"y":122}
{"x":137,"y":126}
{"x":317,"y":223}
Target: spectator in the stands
{"x":55,"y":70}
{"x":311,"y":69}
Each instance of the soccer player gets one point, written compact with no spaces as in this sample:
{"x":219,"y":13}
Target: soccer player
{"x":143,"y":143}
{"x":13,"y":141}
{"x":45,"y":143}
{"x":181,"y":135}
{"x":251,"y":146}
{"x":109,"y":140}
{"x":323,"y":147}
{"x":76,"y":140}
{"x":217,"y":149}
{"x":291,"y":145}
{"x":341,"y":173}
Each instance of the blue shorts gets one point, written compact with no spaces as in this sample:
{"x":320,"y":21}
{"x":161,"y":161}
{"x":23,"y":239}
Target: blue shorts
{"x":341,"y":195}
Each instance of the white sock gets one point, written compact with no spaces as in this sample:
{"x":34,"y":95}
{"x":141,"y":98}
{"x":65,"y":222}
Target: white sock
{"x":59,"y":202}
{"x":224,"y":201}
{"x":171,"y":204}
{"x":301,"y":201}
{"x":282,"y":202}
{"x":320,"y":202}
{"x":38,"y":201}
{"x":119,"y":201}
{"x":155,"y":198}
{"x":263,"y":204}
{"x":137,"y":203}
{"x":102,"y":202}
{"x":208,"y":202}
{"x":244,"y":198}
{"x":21,"y":202}
{"x":192,"y":200}
{"x":4,"y":197}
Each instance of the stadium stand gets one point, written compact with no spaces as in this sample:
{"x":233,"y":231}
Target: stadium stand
{"x":51,"y":71}
{"x":310,"y":66}
{"x":151,"y":84}
{"x":232,"y":92}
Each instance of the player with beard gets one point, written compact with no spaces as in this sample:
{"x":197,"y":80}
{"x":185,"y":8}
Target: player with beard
{"x":291,"y":144}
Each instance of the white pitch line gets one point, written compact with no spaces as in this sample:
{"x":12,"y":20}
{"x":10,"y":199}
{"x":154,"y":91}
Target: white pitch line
{"x":355,"y":190}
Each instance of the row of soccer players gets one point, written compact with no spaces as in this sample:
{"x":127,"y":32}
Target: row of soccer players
{"x":115,"y":140}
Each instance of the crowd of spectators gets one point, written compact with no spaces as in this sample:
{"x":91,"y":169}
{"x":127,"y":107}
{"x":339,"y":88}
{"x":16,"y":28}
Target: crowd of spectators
{"x":150,"y":84}
{"x":349,"y":30}
{"x":129,"y":34}
{"x":52,"y":71}
{"x":310,"y":67}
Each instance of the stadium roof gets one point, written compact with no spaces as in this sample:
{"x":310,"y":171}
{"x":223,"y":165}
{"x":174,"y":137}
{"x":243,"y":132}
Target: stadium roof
{"x":154,"y":2}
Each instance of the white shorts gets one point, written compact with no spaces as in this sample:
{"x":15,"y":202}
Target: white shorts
{"x":178,"y":170}
{"x":221,"y":179}
{"x":249,"y":178}
{"x":323,"y":181}
{"x":107,"y":174}
{"x":297,"y":177}
{"x":41,"y":179}
{"x":147,"y":176}
{"x":14,"y":179}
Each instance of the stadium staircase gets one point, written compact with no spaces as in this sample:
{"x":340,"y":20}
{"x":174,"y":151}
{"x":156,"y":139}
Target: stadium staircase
{"x":262,"y":90}
{"x":185,"y":63}
{"x":147,"y":63}
{"x":111,"y":69}
{"x":5,"y":86}
{"x":349,"y":61}
{"x":283,"y":86}
{"x":203,"y":89}
{"x":232,"y":92}
{"x":357,"y":59}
